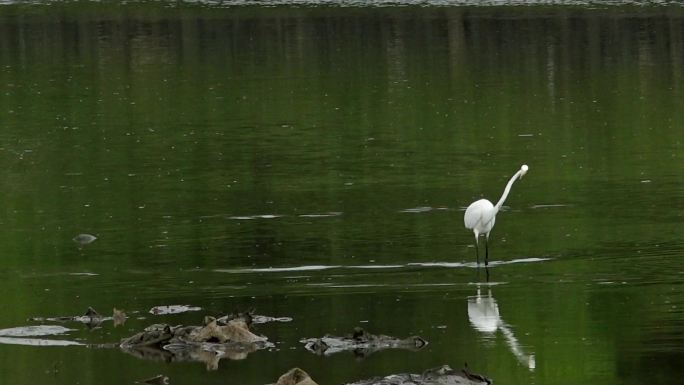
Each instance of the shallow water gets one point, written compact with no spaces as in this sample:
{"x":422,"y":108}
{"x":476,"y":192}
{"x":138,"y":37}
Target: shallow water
{"x":314,"y":162}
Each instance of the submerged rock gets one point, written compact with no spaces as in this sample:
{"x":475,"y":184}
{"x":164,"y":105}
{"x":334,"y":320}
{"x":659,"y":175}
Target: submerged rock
{"x":153,"y":335}
{"x":208,"y":343}
{"x":442,"y":375}
{"x":235,"y":330}
{"x":295,"y":376}
{"x":361,"y":343}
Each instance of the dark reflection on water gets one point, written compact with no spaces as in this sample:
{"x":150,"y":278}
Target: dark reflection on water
{"x":314,"y":163}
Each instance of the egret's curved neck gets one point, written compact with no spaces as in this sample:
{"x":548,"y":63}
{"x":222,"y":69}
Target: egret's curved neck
{"x":506,"y":191}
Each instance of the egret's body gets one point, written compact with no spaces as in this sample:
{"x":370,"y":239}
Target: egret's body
{"x":480,"y":216}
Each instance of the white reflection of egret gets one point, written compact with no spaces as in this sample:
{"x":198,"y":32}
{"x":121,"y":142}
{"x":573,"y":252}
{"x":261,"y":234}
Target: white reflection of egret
{"x":483,"y":313}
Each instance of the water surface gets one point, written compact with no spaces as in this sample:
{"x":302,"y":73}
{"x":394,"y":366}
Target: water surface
{"x":315,"y":162}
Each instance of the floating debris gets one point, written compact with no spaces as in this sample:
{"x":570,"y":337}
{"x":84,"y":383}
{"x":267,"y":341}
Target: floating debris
{"x":159,"y":379}
{"x":36,"y":330}
{"x":262,"y":319}
{"x":84,"y":239}
{"x":251,"y":318}
{"x":361,"y":343}
{"x":91,"y":318}
{"x":173,"y":309}
{"x":17,"y":335}
{"x":119,"y":317}
{"x":37,"y":342}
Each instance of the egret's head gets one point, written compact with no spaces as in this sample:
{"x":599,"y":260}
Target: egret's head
{"x":523,"y":170}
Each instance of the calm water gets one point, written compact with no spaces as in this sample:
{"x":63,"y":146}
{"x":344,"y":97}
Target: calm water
{"x":314,"y":162}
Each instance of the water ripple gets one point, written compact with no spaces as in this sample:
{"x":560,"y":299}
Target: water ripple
{"x":417,"y":210}
{"x":322,"y":215}
{"x":423,"y":209}
{"x":261,"y":216}
{"x":278,"y":269}
{"x":475,"y":265}
{"x":549,"y":206}
{"x":386,"y":267}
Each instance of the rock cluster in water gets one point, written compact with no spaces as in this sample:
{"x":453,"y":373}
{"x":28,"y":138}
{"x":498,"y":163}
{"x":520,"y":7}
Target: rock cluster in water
{"x":361,"y":343}
{"x":443,"y":375}
{"x":209,"y":343}
{"x":231,"y":337}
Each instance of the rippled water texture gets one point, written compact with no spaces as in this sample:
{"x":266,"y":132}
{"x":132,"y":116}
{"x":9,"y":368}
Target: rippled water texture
{"x":313,"y":163}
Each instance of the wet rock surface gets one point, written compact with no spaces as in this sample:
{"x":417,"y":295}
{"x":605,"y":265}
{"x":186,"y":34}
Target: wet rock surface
{"x":208,"y":343}
{"x":295,"y":376}
{"x":443,"y":375}
{"x":361,"y":343}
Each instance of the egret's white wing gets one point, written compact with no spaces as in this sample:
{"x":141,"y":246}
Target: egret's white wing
{"x":478,"y":213}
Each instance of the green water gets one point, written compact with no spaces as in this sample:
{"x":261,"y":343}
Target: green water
{"x":315,"y":162}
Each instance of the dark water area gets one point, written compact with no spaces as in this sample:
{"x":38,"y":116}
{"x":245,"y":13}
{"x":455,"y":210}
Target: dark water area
{"x":315,"y":162}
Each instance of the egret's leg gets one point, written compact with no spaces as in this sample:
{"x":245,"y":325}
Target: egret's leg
{"x":477,"y":249}
{"x":487,"y":249}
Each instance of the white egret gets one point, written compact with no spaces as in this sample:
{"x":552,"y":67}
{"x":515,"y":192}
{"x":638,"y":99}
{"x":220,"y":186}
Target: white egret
{"x":481,"y":215}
